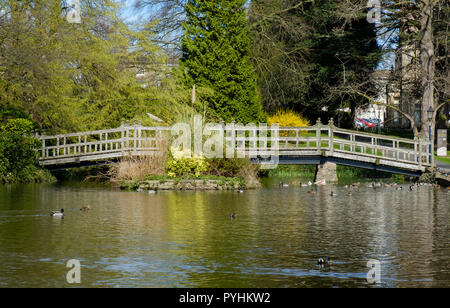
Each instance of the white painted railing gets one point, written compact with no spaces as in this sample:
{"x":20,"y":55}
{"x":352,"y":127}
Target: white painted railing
{"x":323,"y":140}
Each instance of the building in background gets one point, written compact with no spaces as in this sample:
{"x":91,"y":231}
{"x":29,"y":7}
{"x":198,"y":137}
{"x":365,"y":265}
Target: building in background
{"x":376,"y":110}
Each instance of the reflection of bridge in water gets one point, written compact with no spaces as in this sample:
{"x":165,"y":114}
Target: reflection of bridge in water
{"x":296,"y":145}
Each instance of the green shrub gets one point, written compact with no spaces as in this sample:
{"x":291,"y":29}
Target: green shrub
{"x":18,"y":126}
{"x":181,"y":166}
{"x":398,"y":178}
{"x":17,"y":147}
{"x":18,"y":158}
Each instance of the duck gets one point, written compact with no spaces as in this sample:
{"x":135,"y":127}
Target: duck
{"x":325,"y":262}
{"x":399,"y":188}
{"x":312,"y":192}
{"x":282,"y":184}
{"x":152,"y":192}
{"x":310,"y":183}
{"x":57,"y":214}
{"x":240,"y":191}
{"x":349,"y":194}
{"x":333,"y":194}
{"x":233,"y":215}
{"x":86,"y":208}
{"x":322,"y":182}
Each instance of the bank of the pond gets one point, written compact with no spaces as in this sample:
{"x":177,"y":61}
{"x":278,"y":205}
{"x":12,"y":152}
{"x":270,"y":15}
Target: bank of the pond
{"x":28,"y":175}
{"x":343,"y":172}
{"x":201,"y":183}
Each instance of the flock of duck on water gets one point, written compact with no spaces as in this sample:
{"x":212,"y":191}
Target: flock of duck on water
{"x":322,"y":262}
{"x":233,"y":215}
{"x":373,"y":185}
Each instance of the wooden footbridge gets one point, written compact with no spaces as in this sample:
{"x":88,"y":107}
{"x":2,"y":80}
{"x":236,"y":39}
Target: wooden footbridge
{"x":295,"y":145}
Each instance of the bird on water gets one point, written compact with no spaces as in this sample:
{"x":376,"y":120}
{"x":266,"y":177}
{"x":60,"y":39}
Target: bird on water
{"x":57,"y":214}
{"x":325,"y":262}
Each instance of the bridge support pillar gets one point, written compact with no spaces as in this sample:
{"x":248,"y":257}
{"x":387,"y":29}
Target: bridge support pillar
{"x":327,"y":172}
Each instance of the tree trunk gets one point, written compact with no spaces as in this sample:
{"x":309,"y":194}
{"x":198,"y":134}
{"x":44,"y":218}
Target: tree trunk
{"x":427,"y":59}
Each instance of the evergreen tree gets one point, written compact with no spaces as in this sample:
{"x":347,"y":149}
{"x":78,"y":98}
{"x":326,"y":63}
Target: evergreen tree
{"x":216,"y":49}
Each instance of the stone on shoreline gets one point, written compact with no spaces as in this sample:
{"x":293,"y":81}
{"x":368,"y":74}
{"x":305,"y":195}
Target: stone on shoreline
{"x":197,"y":184}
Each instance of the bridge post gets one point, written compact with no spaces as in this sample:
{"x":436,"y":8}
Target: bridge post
{"x":135,"y":138}
{"x":327,"y":172}
{"x":331,"y":135}
{"x":318,"y":135}
{"x":43,"y":148}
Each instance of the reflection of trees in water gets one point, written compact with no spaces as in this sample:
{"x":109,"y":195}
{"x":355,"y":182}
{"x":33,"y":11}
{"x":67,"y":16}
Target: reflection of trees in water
{"x":188,"y":238}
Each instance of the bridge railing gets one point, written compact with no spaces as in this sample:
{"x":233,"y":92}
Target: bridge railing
{"x":322,"y":140}
{"x":110,"y":143}
{"x":329,"y":140}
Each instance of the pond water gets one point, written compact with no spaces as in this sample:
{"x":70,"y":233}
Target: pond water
{"x":187,"y":239}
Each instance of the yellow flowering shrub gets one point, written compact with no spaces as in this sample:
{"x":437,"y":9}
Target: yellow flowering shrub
{"x":287,"y":118}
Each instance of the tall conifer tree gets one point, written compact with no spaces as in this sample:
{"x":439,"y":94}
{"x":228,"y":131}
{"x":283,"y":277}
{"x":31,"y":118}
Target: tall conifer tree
{"x":216,"y":50}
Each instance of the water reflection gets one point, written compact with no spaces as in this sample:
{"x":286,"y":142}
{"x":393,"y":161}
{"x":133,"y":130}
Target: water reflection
{"x":187,"y":239}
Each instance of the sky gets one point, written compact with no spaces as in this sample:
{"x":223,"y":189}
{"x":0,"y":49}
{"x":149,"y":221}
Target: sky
{"x":129,"y":13}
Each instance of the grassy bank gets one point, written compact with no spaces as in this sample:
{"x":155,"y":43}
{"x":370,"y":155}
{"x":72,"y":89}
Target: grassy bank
{"x":310,"y":171}
{"x":443,"y":159}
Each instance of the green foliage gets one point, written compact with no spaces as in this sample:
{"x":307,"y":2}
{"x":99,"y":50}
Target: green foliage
{"x":353,"y":172}
{"x":294,"y":171}
{"x":398,"y":178}
{"x":129,"y":185}
{"x":216,"y":55}
{"x":229,"y":167}
{"x":18,"y":158}
{"x":182,"y":166}
{"x":73,"y":77}
{"x":18,"y":127}
{"x":312,"y":55}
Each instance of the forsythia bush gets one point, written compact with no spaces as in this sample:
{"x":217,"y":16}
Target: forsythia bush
{"x":180,"y":165}
{"x":288,"y":119}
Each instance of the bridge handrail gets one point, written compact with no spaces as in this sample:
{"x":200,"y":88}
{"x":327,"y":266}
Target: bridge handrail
{"x":132,"y":139}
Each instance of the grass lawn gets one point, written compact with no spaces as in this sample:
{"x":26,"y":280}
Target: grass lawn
{"x":444,"y":159}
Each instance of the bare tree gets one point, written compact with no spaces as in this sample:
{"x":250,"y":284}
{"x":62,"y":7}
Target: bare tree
{"x":167,"y":16}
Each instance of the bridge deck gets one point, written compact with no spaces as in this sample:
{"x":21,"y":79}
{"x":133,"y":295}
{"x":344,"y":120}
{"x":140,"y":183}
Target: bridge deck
{"x":319,"y":140}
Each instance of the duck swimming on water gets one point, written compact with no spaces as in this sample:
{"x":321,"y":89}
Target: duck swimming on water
{"x":325,"y":262}
{"x":57,"y":214}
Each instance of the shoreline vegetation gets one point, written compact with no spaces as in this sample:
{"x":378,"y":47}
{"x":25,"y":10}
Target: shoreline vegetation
{"x":18,"y":158}
{"x":167,"y":171}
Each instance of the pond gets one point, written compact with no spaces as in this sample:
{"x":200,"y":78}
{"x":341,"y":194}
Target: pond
{"x":188,"y":239}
